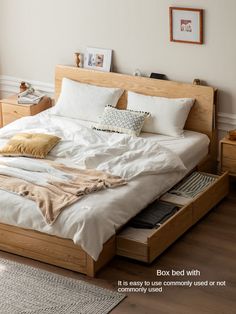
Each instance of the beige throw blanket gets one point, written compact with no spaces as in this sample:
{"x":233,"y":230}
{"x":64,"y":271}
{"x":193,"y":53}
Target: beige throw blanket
{"x":53,"y":197}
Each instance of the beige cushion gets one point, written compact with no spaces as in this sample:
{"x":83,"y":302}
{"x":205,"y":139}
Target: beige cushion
{"x":35,"y":145}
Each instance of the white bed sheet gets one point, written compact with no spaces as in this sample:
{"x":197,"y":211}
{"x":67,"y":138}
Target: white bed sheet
{"x":95,"y":218}
{"x":191,"y":148}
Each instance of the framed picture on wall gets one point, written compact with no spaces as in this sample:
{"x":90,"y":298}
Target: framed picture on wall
{"x":98,"y":59}
{"x":186,"y":25}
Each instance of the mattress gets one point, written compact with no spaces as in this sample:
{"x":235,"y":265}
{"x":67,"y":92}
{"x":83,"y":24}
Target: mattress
{"x":94,"y":219}
{"x":191,"y":148}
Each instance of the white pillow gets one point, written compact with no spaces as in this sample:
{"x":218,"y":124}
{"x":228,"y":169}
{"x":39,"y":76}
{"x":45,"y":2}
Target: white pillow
{"x":84,"y":101}
{"x":168,"y":115}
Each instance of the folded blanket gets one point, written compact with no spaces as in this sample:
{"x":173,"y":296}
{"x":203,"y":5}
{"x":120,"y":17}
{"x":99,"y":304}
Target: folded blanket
{"x":57,"y":188}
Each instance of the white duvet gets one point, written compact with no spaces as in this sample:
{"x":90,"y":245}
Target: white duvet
{"x":93,"y":220}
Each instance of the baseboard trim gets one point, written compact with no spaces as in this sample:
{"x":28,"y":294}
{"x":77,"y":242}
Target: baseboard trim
{"x":9,"y":84}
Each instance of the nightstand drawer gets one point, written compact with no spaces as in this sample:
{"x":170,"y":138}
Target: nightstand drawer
{"x":229,"y":164}
{"x":13,"y":112}
{"x":229,"y":151}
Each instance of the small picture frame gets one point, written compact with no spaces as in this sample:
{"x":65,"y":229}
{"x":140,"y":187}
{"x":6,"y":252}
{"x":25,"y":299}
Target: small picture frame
{"x":98,"y":59}
{"x":186,"y":25}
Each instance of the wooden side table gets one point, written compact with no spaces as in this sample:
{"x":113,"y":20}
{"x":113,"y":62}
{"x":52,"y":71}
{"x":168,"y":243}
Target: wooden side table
{"x":10,"y":110}
{"x":228,"y":156}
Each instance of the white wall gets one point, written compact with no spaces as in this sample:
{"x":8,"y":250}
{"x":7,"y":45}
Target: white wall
{"x":37,"y":35}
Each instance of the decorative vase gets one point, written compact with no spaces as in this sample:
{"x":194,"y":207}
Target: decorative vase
{"x":78,"y":59}
{"x":23,"y":87}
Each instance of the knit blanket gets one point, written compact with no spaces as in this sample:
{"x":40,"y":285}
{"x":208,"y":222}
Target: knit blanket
{"x":51,"y":185}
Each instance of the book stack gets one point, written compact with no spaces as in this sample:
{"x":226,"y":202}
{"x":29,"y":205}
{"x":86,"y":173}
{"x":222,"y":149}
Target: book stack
{"x":30,"y":96}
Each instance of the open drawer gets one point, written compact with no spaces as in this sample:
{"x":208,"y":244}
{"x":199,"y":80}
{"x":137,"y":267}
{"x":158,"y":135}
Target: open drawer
{"x":146,"y":244}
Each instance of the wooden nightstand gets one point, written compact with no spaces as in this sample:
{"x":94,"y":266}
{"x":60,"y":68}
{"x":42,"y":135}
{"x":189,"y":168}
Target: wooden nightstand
{"x":10,"y":110}
{"x":228,"y":156}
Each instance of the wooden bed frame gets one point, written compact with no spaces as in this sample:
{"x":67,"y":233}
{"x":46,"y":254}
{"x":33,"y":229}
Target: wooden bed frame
{"x":63,"y":252}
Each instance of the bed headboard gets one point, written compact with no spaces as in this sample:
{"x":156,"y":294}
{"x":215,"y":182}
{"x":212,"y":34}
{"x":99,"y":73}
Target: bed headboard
{"x":201,"y":118}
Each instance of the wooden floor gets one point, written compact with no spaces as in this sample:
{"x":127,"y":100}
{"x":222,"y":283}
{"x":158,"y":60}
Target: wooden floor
{"x":209,"y":247}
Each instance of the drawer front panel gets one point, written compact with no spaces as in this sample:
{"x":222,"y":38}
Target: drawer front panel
{"x":131,"y":249}
{"x":170,"y":231}
{"x":229,"y":165}
{"x":229,"y":151}
{"x":11,"y":113}
{"x":210,"y":197}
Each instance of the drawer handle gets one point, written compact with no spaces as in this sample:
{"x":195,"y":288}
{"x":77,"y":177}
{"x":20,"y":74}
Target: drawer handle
{"x":15,"y":111}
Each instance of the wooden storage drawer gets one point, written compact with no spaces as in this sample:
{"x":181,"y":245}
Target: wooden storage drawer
{"x":145,"y":245}
{"x":13,"y":112}
{"x":206,"y":200}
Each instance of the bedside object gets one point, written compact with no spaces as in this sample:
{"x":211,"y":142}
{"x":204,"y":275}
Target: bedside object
{"x":10,"y":110}
{"x":197,"y":81}
{"x":98,"y":59}
{"x":232,"y":135}
{"x":23,"y":87}
{"x":137,"y":72}
{"x":158,"y":76}
{"x":228,"y":156}
{"x":78,"y":59}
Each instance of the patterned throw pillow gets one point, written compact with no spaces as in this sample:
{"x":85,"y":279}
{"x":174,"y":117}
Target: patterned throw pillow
{"x":122,"y":121}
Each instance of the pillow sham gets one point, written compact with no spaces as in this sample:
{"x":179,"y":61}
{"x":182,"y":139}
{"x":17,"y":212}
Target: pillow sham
{"x":122,"y":121}
{"x":168,"y":115}
{"x":34,"y":145}
{"x":84,"y":101}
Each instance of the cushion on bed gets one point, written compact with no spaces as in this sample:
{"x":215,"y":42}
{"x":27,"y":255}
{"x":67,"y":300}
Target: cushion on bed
{"x":168,"y":115}
{"x":84,"y":101}
{"x":35,"y":145}
{"x":122,"y":121}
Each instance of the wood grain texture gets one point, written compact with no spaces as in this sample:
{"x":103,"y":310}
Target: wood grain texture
{"x":229,"y":165}
{"x":132,"y":249}
{"x":228,"y":156}
{"x":202,"y":117}
{"x":108,"y":252}
{"x":229,"y":150}
{"x":52,"y":249}
{"x":178,"y":224}
{"x":12,"y":111}
{"x":169,"y":232}
{"x":0,"y":116}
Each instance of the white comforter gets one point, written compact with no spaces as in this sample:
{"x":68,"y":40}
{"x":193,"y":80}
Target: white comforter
{"x":94,"y":219}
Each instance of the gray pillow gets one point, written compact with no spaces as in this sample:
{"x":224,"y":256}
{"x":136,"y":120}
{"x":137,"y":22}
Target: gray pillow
{"x":122,"y":121}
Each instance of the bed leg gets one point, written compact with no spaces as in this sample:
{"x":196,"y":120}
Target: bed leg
{"x":90,"y":266}
{"x":108,"y":252}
